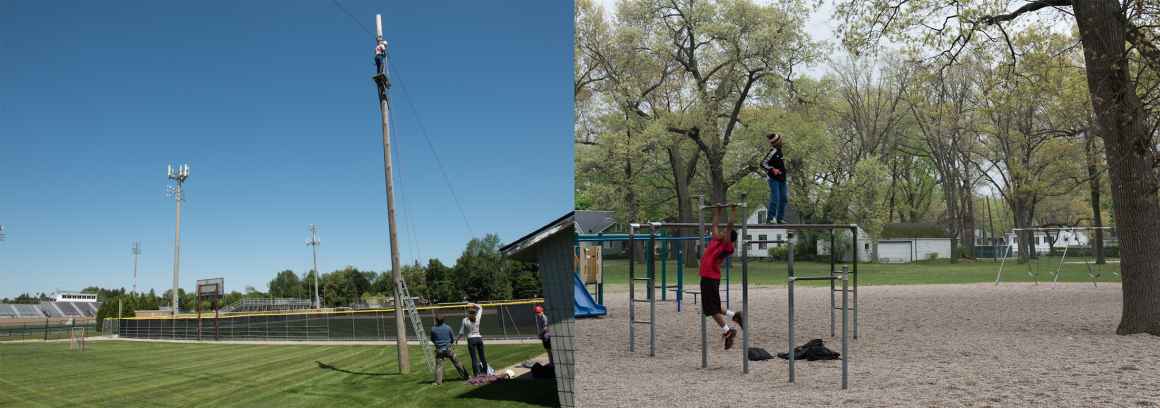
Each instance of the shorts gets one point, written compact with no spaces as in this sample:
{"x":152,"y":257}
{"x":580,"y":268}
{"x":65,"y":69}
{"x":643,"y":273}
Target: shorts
{"x":711,"y":296}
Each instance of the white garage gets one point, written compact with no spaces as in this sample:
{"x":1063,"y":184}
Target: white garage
{"x":895,"y":251}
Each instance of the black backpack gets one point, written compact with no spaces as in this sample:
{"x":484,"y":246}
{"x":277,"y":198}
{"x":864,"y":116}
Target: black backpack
{"x":759,"y":354}
{"x":811,"y":351}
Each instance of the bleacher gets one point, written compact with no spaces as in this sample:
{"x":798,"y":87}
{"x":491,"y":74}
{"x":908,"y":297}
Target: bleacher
{"x":48,"y":309}
{"x":267,"y":305}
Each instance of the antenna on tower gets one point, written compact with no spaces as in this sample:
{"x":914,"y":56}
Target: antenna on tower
{"x":2,"y":234}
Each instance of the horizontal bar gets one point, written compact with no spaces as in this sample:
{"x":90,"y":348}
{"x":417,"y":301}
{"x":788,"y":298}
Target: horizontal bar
{"x":637,"y":238}
{"x":641,"y":279}
{"x":816,"y":277}
{"x":1060,"y":228}
{"x":641,"y":322}
{"x":802,"y":226}
{"x":645,"y":300}
{"x":705,"y":207}
{"x":767,"y":241}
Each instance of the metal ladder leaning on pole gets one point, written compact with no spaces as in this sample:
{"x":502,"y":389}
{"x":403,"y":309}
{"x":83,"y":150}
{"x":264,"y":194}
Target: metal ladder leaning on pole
{"x":417,"y":326}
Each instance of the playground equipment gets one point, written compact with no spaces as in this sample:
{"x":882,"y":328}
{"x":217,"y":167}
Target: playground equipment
{"x":791,"y":281}
{"x":1094,"y":270}
{"x":849,"y":284}
{"x":585,"y":306}
{"x":590,"y":269}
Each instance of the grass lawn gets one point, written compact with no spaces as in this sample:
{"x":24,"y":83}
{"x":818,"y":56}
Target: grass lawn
{"x":926,"y":272}
{"x":113,"y":373}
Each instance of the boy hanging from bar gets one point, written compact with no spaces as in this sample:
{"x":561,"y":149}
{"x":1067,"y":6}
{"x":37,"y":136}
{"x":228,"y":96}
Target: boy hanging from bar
{"x":720,"y":247}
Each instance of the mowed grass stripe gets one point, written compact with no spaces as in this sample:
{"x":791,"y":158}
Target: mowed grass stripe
{"x":162,"y":369}
{"x":172,"y":374}
{"x":188,"y":383}
{"x":65,"y":371}
{"x":301,"y":365}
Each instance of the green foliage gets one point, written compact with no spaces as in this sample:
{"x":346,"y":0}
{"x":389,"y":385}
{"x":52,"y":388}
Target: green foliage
{"x":287,"y":285}
{"x":778,"y":253}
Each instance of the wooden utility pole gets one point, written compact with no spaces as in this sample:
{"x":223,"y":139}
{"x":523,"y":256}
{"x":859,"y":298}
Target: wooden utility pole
{"x":384,"y":85}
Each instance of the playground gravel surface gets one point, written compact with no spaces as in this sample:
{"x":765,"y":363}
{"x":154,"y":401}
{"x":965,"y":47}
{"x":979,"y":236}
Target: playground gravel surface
{"x":973,"y":345}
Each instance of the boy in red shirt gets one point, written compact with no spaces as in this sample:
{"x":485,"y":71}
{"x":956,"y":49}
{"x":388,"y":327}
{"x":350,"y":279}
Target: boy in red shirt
{"x":720,"y":247}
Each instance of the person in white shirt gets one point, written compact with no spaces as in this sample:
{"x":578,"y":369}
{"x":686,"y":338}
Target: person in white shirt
{"x":474,"y":339}
{"x":380,"y":56}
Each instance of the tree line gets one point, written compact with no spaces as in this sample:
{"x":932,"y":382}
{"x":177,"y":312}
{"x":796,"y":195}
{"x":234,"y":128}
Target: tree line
{"x":480,"y":273}
{"x":968,"y":120}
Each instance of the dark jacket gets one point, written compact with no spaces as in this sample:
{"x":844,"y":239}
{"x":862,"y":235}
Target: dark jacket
{"x":442,"y":336}
{"x":773,"y":160}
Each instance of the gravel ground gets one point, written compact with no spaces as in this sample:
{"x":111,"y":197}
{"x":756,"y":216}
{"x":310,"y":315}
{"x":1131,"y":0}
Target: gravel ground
{"x":928,"y":345}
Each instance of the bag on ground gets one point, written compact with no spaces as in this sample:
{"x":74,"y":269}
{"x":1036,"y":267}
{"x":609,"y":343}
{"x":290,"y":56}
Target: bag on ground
{"x":759,"y":354}
{"x":813,"y":350}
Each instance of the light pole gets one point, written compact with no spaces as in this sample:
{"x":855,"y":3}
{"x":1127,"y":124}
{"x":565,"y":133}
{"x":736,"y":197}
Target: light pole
{"x":136,"y":254}
{"x":178,"y":175}
{"x":313,"y":242}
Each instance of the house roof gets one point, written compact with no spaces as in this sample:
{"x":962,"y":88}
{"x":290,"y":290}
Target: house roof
{"x":520,"y":249}
{"x":914,"y":230}
{"x":594,"y":222}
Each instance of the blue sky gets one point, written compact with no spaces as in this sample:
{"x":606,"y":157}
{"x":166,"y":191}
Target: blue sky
{"x":272,"y":105}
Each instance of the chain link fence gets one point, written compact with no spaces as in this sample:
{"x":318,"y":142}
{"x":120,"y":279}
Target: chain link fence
{"x":501,"y":320}
{"x":43,"y":330}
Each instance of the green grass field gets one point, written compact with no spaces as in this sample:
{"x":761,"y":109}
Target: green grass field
{"x":927,"y":272}
{"x":116,"y":373}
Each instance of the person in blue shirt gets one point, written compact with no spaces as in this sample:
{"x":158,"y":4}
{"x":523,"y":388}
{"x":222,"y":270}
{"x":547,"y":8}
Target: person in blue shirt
{"x":444,"y":338}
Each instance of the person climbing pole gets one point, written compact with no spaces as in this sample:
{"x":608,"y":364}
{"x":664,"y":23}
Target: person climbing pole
{"x":775,"y":172}
{"x":380,"y":57}
{"x":720,"y":246}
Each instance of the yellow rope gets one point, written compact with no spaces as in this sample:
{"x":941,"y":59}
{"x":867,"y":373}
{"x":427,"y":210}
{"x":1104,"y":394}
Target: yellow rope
{"x":344,"y":312}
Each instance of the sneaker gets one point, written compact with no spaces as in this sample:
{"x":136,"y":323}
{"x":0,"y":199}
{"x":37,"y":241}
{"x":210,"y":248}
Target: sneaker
{"x":737,"y":319}
{"x":729,"y":336}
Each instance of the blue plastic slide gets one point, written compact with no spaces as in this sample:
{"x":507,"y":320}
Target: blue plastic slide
{"x":585,"y":306}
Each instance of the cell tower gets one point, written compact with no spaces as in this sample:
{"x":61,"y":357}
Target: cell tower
{"x":178,"y":175}
{"x":313,"y":242}
{"x":136,"y":254}
{"x":2,"y":234}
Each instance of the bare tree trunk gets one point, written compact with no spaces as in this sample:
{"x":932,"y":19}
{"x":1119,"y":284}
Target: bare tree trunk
{"x":1094,"y":185}
{"x":682,"y":177}
{"x":1120,"y":122}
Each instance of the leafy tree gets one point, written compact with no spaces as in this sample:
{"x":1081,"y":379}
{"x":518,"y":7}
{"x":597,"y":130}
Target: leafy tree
{"x":287,"y":285}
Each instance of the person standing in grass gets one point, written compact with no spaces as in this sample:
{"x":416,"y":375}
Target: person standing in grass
{"x":720,"y":247}
{"x":775,"y":172}
{"x":443,"y":339}
{"x":474,"y":339}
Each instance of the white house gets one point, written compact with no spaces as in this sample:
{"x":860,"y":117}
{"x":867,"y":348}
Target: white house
{"x":1044,"y":240}
{"x":909,"y":242}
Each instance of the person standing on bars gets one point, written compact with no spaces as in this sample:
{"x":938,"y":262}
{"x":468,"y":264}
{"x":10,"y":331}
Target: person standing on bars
{"x":774,"y":166}
{"x":474,"y":339}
